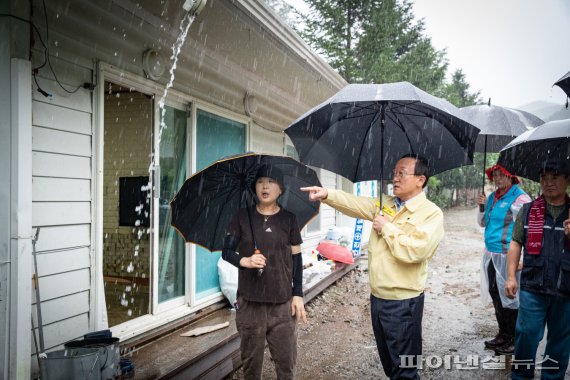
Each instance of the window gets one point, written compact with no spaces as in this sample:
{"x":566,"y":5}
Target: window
{"x":216,"y":137}
{"x":171,"y":246}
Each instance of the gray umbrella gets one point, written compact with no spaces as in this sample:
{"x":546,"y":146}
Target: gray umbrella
{"x":564,"y":83}
{"x":364,"y":129}
{"x":527,"y":154}
{"x":499,"y":125}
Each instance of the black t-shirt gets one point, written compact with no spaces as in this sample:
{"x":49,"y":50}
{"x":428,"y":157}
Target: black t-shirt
{"x":274,"y":234}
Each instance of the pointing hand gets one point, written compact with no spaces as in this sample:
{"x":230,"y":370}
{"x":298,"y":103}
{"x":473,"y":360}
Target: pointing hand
{"x":316,"y":193}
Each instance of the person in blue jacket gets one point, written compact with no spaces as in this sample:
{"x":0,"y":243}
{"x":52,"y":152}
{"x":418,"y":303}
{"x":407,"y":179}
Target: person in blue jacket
{"x":501,"y":209}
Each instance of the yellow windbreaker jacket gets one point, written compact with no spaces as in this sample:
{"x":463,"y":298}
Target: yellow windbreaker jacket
{"x":398,"y":256}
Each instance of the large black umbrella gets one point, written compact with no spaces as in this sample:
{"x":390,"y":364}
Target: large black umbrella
{"x":364,"y":129}
{"x":203,"y":207}
{"x":564,"y":83}
{"x":499,"y":125}
{"x":527,"y":154}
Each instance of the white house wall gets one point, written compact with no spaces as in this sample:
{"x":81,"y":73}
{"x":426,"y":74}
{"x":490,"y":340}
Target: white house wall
{"x":61,"y":202}
{"x":63,"y":158}
{"x":265,"y":141}
{"x":217,"y":64}
{"x":326,"y":214}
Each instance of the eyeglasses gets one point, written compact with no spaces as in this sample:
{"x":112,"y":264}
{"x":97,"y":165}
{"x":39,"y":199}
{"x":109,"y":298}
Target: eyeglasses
{"x":401,"y":174}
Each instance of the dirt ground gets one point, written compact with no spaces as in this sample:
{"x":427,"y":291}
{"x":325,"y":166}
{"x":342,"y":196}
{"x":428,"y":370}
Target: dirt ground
{"x":338,"y":342}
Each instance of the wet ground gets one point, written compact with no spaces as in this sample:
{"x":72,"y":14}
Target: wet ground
{"x":338,"y":342}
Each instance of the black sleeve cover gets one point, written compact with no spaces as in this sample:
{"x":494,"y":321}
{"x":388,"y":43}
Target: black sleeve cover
{"x":297,"y":275}
{"x":229,"y":251}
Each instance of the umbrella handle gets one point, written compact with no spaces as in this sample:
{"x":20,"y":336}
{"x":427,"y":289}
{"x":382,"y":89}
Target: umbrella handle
{"x":255,"y":249}
{"x":482,"y":207}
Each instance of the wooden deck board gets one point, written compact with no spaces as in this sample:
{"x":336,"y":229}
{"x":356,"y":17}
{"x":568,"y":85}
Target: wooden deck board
{"x":209,"y":356}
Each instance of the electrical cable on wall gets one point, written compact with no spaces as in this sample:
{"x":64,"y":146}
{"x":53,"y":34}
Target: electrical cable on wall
{"x":254,"y":121}
{"x":36,"y":30}
{"x":47,"y":55}
{"x":88,"y":86}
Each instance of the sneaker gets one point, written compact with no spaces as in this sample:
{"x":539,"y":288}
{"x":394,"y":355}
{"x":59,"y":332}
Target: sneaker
{"x":498,"y":341}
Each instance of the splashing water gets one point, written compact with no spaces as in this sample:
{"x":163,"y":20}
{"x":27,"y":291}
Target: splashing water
{"x":176,"y":48}
{"x":139,"y":229}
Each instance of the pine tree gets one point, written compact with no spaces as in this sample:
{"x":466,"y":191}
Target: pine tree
{"x":375,"y":41}
{"x":333,"y":28}
{"x":458,"y":93}
{"x":284,"y":10}
{"x":393,"y":48}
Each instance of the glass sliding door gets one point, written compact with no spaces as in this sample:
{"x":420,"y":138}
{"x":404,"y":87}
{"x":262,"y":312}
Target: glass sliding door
{"x":126,"y":207}
{"x":171,"y":246}
{"x":216,"y":137}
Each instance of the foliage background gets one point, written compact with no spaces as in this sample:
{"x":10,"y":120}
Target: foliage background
{"x":381,"y":41}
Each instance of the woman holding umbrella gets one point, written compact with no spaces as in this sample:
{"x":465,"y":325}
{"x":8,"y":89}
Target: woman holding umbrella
{"x":499,"y":213}
{"x":268,"y":240}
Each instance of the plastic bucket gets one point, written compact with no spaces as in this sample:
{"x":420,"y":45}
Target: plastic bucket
{"x":109,"y":354}
{"x":78,"y":364}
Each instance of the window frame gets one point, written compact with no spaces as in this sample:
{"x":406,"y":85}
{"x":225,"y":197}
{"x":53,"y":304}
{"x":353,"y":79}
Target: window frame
{"x":178,"y":307}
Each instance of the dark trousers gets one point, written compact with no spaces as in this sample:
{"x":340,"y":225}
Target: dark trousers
{"x":397,"y":326}
{"x":257,"y":322}
{"x":506,"y":318}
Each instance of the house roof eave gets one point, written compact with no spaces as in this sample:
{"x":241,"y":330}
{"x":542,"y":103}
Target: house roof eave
{"x":270,"y":21}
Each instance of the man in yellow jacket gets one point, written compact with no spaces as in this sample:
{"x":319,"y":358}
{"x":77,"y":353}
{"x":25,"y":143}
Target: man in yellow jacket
{"x":405,"y":235}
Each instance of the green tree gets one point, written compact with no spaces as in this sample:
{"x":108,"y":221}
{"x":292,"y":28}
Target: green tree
{"x":375,"y":41}
{"x":394,"y":48}
{"x":333,"y":28}
{"x":285,"y":10}
{"x":458,"y":180}
{"x":530,"y":187}
{"x":458,"y":92}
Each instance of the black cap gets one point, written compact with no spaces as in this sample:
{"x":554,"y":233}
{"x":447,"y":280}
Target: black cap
{"x":555,"y":166}
{"x":271,"y":172}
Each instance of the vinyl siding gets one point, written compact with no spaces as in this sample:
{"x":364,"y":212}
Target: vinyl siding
{"x":62,"y":160}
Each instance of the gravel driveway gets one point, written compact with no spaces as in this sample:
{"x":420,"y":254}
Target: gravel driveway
{"x":338,"y":342}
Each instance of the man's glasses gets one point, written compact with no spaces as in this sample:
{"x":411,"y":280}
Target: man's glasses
{"x":401,"y":174}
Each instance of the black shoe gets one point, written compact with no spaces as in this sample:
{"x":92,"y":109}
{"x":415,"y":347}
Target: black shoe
{"x":496,"y":342}
{"x":507,"y":349}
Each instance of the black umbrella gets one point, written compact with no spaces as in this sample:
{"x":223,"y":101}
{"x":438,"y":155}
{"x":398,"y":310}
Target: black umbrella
{"x":564,"y":83}
{"x":364,"y":129}
{"x":499,"y":125}
{"x":526,"y":155}
{"x":205,"y":204}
